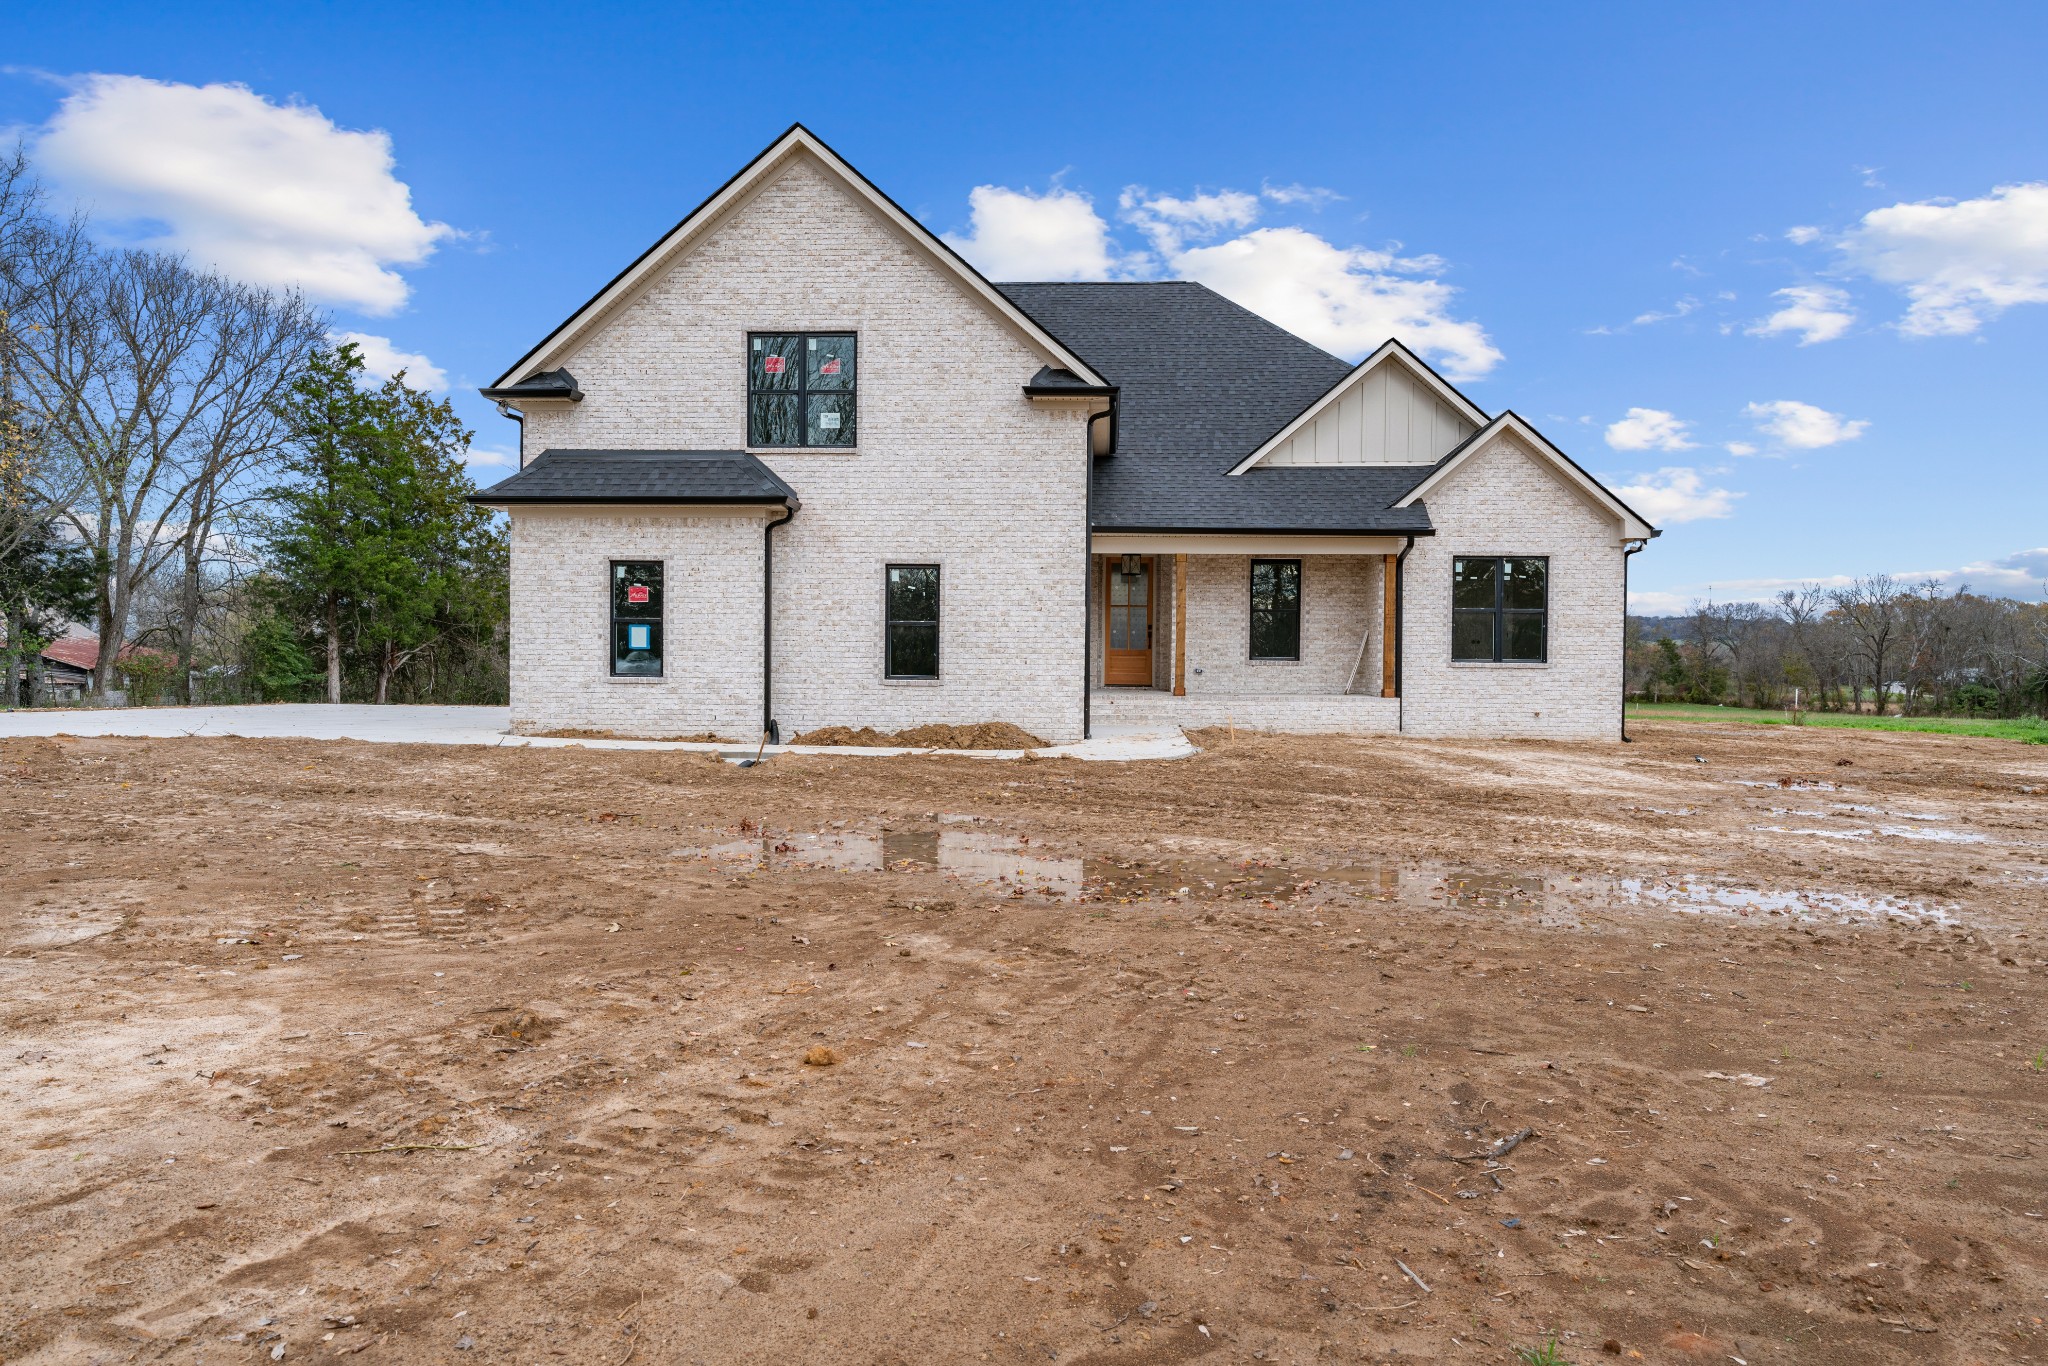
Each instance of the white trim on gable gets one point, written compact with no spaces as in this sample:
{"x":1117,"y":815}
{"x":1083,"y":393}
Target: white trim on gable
{"x":797,"y":141}
{"x":1389,"y":351}
{"x":1633,"y":527}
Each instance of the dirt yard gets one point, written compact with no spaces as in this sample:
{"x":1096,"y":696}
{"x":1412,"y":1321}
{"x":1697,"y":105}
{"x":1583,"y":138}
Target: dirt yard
{"x":413,"y":1054}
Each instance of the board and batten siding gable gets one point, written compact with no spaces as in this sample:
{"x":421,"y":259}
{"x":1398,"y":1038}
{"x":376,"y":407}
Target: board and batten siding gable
{"x":1386,"y":416}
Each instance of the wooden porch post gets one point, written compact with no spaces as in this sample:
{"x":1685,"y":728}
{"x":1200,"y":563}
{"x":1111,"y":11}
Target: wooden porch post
{"x":1390,"y":612}
{"x":1180,"y":626}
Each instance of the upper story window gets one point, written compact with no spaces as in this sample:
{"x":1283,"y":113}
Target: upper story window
{"x":800,"y":389}
{"x":1500,"y":609}
{"x":1276,"y":609}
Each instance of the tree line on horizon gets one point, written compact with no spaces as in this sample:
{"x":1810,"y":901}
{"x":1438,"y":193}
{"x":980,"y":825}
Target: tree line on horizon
{"x":1877,"y":645}
{"x":192,"y":467}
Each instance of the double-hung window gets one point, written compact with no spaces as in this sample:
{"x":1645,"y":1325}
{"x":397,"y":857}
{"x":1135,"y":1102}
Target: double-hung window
{"x":636,"y":618}
{"x":1500,"y":609}
{"x":911,"y":608}
{"x":1276,"y":609}
{"x":800,"y":389}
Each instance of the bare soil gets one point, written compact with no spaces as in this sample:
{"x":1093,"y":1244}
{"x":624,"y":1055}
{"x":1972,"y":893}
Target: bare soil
{"x":432,"y":1053}
{"x":981,"y":735}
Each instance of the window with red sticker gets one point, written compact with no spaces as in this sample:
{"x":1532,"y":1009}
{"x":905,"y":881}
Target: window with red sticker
{"x":800,"y":388}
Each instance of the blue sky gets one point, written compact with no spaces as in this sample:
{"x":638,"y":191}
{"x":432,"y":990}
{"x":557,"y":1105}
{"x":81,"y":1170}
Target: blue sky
{"x":1780,"y":272}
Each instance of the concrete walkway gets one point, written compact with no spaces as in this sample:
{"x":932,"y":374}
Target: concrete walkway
{"x":400,"y":725}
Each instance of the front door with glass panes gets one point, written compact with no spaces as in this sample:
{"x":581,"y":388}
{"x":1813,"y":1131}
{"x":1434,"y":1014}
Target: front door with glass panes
{"x":1127,"y":628}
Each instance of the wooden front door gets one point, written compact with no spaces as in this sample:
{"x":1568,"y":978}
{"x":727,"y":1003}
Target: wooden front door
{"x":1127,"y":624}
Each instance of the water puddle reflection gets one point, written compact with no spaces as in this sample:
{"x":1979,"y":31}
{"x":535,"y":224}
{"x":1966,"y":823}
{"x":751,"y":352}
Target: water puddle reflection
{"x":1019,"y":869}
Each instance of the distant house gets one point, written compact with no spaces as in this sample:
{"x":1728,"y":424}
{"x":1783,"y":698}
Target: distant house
{"x":67,"y":666}
{"x":1049,"y":504}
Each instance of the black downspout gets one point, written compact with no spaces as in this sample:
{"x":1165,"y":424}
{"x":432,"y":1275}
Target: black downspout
{"x":507,"y":410}
{"x":1626,"y":552}
{"x":1400,"y":609}
{"x":1088,"y":570}
{"x":768,"y":726}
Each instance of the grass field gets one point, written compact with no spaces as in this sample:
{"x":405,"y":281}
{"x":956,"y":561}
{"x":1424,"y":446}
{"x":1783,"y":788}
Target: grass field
{"x":2030,"y":730}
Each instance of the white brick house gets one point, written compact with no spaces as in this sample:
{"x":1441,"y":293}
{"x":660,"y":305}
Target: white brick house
{"x":800,"y":465}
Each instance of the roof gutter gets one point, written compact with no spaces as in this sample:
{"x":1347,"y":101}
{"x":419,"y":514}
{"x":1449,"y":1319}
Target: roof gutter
{"x":1400,"y":604}
{"x":507,"y":410}
{"x":769,"y":728}
{"x":1088,"y":564}
{"x":1629,"y":547}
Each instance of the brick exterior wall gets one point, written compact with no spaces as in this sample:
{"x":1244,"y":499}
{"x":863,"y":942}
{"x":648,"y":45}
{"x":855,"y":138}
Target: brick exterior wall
{"x":1505,"y":501}
{"x":954,"y":467}
{"x":711,"y":621}
{"x":1340,"y":602}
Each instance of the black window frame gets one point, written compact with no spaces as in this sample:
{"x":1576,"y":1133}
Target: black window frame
{"x":803,"y":392}
{"x":656,"y":617}
{"x":1273,"y":613}
{"x":1500,"y":614}
{"x":891,"y":622}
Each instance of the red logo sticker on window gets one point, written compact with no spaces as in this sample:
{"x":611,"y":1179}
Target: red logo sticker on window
{"x":830,"y":367}
{"x":636,"y":592}
{"x":772,"y":364}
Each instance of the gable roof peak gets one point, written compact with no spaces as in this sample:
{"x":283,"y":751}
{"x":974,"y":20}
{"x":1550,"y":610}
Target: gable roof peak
{"x":627,"y":283}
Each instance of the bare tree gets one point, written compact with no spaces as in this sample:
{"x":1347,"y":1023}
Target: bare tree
{"x":159,"y":379}
{"x":265,"y":337}
{"x":1870,"y":610}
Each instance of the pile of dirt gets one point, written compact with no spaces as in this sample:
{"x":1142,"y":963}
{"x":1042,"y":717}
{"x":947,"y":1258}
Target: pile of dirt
{"x":982,"y":735}
{"x":578,"y":733}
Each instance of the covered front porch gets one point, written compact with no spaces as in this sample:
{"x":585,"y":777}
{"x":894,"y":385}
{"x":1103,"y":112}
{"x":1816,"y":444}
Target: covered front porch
{"x":1262,"y":631}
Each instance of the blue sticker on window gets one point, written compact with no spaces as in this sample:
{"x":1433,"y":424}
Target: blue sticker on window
{"x":639,"y":637}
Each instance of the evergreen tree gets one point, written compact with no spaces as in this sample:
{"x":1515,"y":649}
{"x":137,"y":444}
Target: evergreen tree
{"x":372,"y":537}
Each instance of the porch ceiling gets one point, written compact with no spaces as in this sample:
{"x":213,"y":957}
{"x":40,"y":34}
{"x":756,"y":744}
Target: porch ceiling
{"x":1240,"y":543}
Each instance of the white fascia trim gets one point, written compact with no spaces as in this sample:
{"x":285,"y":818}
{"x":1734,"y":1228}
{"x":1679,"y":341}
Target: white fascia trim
{"x":547,"y":355}
{"x":1391,"y":349}
{"x":1633,"y":527}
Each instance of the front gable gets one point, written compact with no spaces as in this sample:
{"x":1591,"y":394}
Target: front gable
{"x":1509,"y":434}
{"x":796,"y":149}
{"x":1390,"y":410}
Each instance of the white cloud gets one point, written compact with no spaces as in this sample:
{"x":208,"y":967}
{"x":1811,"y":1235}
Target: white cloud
{"x":1818,"y":313}
{"x":272,"y":194}
{"x":1315,"y":196}
{"x":1172,"y":223}
{"x":1346,"y":300}
{"x":484,"y":458}
{"x":1677,"y":310}
{"x":1803,"y":235}
{"x":2023,"y":574}
{"x":1675,"y":494}
{"x":1649,"y":429}
{"x":1802,"y":426}
{"x":382,"y":360}
{"x":1018,"y":235}
{"x":1959,"y":264}
{"x":1738,"y":447}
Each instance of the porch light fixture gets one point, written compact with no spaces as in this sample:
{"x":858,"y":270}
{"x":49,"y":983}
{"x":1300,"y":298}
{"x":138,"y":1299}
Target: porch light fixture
{"x":1131,"y":567}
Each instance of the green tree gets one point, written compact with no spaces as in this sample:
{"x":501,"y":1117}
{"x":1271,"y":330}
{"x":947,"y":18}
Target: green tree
{"x":46,"y":580}
{"x":372,"y":536}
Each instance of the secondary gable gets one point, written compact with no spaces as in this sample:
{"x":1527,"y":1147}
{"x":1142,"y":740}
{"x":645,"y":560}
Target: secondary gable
{"x":1391,"y":410}
{"x":1508,"y":438}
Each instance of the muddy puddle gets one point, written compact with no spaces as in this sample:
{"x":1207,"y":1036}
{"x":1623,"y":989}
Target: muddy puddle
{"x":1017,"y":868}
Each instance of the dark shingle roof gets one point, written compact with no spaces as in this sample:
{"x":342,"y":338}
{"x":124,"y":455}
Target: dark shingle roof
{"x":546,"y":384}
{"x":640,"y":477}
{"x":1204,"y":383}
